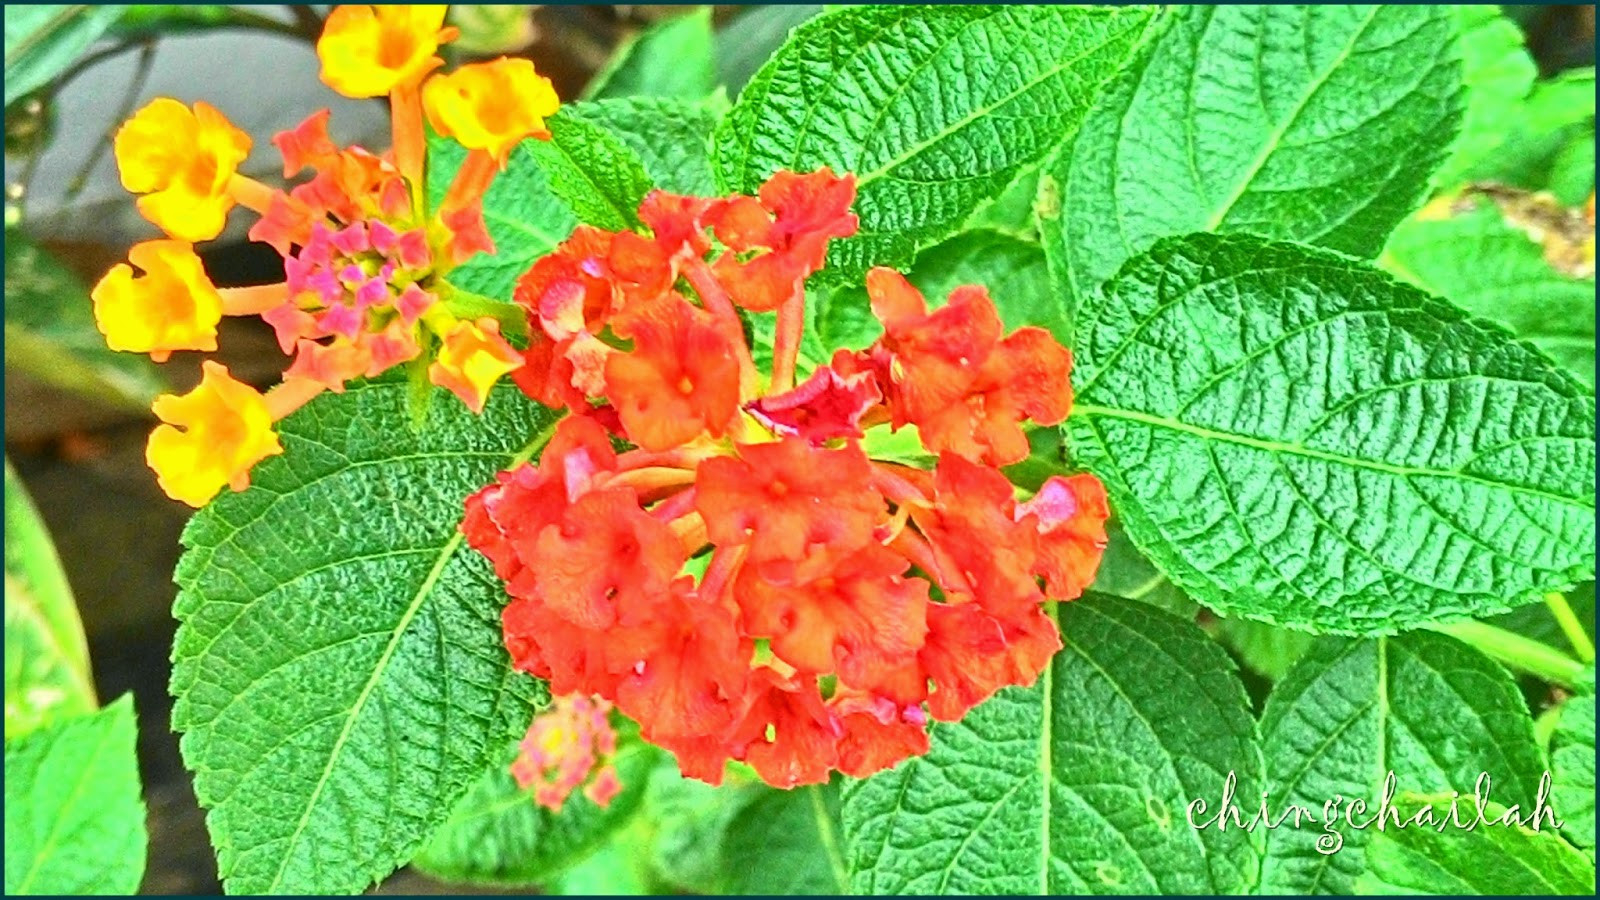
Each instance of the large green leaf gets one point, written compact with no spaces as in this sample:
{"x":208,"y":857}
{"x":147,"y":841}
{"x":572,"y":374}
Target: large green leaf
{"x":1488,"y":860}
{"x":51,"y":334}
{"x":74,"y":820}
{"x":1490,"y":268}
{"x":590,"y":168}
{"x":933,"y":108}
{"x":1313,"y":123}
{"x":1572,"y":763}
{"x":43,"y":40}
{"x":1079,"y":784}
{"x":339,"y":670}
{"x":1432,"y":710}
{"x":47,"y":659}
{"x":785,"y":843}
{"x":498,"y":835}
{"x":671,"y":137}
{"x":672,"y":58}
{"x":1296,"y":438}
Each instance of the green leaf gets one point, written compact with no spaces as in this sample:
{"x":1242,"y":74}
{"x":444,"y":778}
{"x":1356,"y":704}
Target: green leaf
{"x":47,"y":659}
{"x":1489,"y":860}
{"x":671,"y":137}
{"x":590,"y":168}
{"x":497,"y":835}
{"x":43,"y":40}
{"x":74,"y":820}
{"x":1572,"y":763}
{"x":339,"y":671}
{"x":1549,"y":141}
{"x":1078,"y":784}
{"x":672,"y":58}
{"x":1124,"y":572}
{"x":688,"y":822}
{"x":1537,"y":622}
{"x":1431,"y":709}
{"x":1014,"y":211}
{"x":743,"y":45}
{"x":785,"y":843}
{"x":1267,"y":650}
{"x":1318,"y":124}
{"x":51,"y":334}
{"x":612,"y":870}
{"x":894,"y":95}
{"x":1296,"y":438}
{"x":1490,"y":268}
{"x":524,"y":217}
{"x":1498,"y":74}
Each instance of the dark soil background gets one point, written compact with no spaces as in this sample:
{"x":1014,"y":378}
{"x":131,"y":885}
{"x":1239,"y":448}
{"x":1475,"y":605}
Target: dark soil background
{"x":118,"y":535}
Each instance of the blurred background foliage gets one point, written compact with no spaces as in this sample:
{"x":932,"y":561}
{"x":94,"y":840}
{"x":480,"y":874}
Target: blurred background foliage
{"x":1504,"y":238}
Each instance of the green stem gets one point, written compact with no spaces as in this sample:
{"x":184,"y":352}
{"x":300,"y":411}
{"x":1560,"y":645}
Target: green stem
{"x":1570,"y":626}
{"x":1523,"y":654}
{"x":513,"y":319}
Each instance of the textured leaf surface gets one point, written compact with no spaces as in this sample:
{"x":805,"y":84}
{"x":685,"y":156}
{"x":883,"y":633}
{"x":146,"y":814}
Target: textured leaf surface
{"x":339,"y":671}
{"x":1490,"y":268}
{"x":524,"y":217}
{"x":785,"y":843}
{"x":74,"y":820}
{"x":1078,"y":784}
{"x":1296,"y":438}
{"x":47,"y":658}
{"x":498,"y":835}
{"x":1428,"y":708}
{"x":51,"y":335}
{"x":1318,"y":124}
{"x":1572,"y":764}
{"x":672,"y":58}
{"x":43,"y":40}
{"x":933,"y":108}
{"x":671,"y":137}
{"x":590,"y":168}
{"x":1490,"y":860}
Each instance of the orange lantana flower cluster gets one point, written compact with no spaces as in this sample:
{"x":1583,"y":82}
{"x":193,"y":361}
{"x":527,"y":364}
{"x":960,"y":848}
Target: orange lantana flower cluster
{"x":365,"y":257}
{"x":749,"y":582}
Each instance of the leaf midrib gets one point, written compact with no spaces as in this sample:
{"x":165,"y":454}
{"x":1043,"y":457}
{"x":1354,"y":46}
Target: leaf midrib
{"x":1275,"y":137}
{"x":911,"y":152}
{"x":446,"y":553}
{"x":1089,"y":410}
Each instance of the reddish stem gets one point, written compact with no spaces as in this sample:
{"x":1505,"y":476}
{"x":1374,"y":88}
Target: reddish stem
{"x":675,"y":507}
{"x":251,"y":301}
{"x":895,"y":488}
{"x":291,"y":395}
{"x":251,"y":194}
{"x":410,"y":139}
{"x":471,"y":181}
{"x":786,"y":340}
{"x":725,"y":563}
{"x":720,"y":305}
